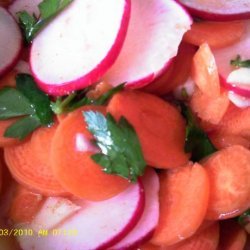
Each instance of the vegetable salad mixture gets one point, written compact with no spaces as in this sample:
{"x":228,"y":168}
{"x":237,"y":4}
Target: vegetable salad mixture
{"x":124,"y":124}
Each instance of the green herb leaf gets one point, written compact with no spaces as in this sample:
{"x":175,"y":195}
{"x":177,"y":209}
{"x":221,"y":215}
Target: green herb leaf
{"x":197,"y":141}
{"x":244,"y":219}
{"x":121,"y":152}
{"x":27,"y":102}
{"x":237,"y":62}
{"x":31,"y":25}
{"x":23,"y":127}
{"x":39,"y":100}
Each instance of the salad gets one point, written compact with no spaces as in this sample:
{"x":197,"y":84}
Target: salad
{"x":124,"y":124}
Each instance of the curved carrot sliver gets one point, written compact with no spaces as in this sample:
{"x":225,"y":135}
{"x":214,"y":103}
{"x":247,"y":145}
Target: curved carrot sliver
{"x":184,"y":194}
{"x":229,"y":175}
{"x":29,"y":162}
{"x":159,"y":126}
{"x":72,"y":164}
{"x":216,"y":34}
{"x":205,"y":73}
{"x":232,"y":236}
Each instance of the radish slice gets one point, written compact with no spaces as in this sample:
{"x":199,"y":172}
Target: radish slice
{"x":97,"y":225}
{"x":24,"y":5}
{"x":155,"y":31}
{"x":10,"y":41}
{"x":223,"y":56}
{"x":54,"y":211}
{"x":218,"y":10}
{"x":79,"y":45}
{"x":238,"y":100}
{"x":146,"y":225}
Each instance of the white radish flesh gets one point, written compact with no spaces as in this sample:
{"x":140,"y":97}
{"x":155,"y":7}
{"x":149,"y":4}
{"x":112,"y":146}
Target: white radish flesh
{"x":79,"y":45}
{"x":218,"y":10}
{"x":154,"y":34}
{"x":146,"y":225}
{"x":10,"y":41}
{"x":97,"y":225}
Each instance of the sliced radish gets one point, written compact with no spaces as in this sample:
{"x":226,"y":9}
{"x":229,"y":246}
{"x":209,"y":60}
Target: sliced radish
{"x":238,"y":100}
{"x":10,"y":41}
{"x":146,"y":225}
{"x":154,"y":34}
{"x":97,"y":225}
{"x":218,"y":10}
{"x":223,"y":56}
{"x":24,"y":5}
{"x":79,"y":45}
{"x":54,"y":211}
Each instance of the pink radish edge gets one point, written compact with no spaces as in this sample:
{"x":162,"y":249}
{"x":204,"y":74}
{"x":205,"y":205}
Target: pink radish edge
{"x":96,"y":73}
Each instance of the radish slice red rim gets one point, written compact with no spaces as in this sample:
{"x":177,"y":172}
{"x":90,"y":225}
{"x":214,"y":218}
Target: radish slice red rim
{"x":10,"y":41}
{"x":97,"y":225}
{"x":79,"y":45}
{"x":154,"y":34}
{"x":218,"y":10}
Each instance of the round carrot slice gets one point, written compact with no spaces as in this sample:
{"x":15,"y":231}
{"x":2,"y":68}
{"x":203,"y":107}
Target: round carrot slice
{"x":229,"y":174}
{"x":29,"y":162}
{"x":184,"y":196}
{"x":72,"y":163}
{"x":159,"y":126}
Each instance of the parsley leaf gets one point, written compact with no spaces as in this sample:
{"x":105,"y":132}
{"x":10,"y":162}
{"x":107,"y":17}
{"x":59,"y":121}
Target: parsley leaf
{"x":244,"y":218}
{"x":31,"y":25}
{"x":197,"y":141}
{"x":237,"y":62}
{"x":78,"y":99}
{"x":27,"y":102}
{"x":121,"y":152}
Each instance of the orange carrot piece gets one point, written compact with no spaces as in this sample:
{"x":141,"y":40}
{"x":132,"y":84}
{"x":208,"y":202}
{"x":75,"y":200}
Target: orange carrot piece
{"x":184,"y":194}
{"x":232,"y":236}
{"x":100,"y":89}
{"x":25,"y":205}
{"x":149,"y":246}
{"x":8,"y":80}
{"x":205,"y":73}
{"x":209,"y":108}
{"x":216,"y":34}
{"x":159,"y":126}
{"x":207,"y":239}
{"x":7,"y":141}
{"x":29,"y":162}
{"x":229,"y":174}
{"x":177,"y":73}
{"x":72,"y":164}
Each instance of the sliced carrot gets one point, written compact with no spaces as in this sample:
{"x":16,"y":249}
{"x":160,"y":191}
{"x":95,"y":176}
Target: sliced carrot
{"x":72,"y":163}
{"x":7,"y":141}
{"x":159,"y":126}
{"x":8,"y":80}
{"x":205,"y":73}
{"x":149,"y":246}
{"x":208,"y":108}
{"x":100,"y":89}
{"x":221,"y":140}
{"x":29,"y":162}
{"x":177,"y":73}
{"x":25,"y":205}
{"x":232,"y":236}
{"x":184,"y":194}
{"x":216,"y":34}
{"x":229,"y":174}
{"x":207,"y":239}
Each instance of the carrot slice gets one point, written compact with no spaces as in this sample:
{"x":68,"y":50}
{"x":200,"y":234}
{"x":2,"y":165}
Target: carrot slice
{"x":205,"y":73}
{"x":72,"y":164}
{"x":25,"y":205}
{"x":229,"y":174}
{"x":184,"y":194}
{"x":232,"y":236}
{"x":8,"y":80}
{"x":159,"y":126}
{"x":216,"y":34}
{"x":177,"y":73}
{"x":207,"y":239}
{"x":209,"y":108}
{"x":29,"y":162}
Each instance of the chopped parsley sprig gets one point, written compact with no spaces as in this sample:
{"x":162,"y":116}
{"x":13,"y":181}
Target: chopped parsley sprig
{"x":237,"y":62}
{"x":31,"y":24}
{"x":121,"y":152}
